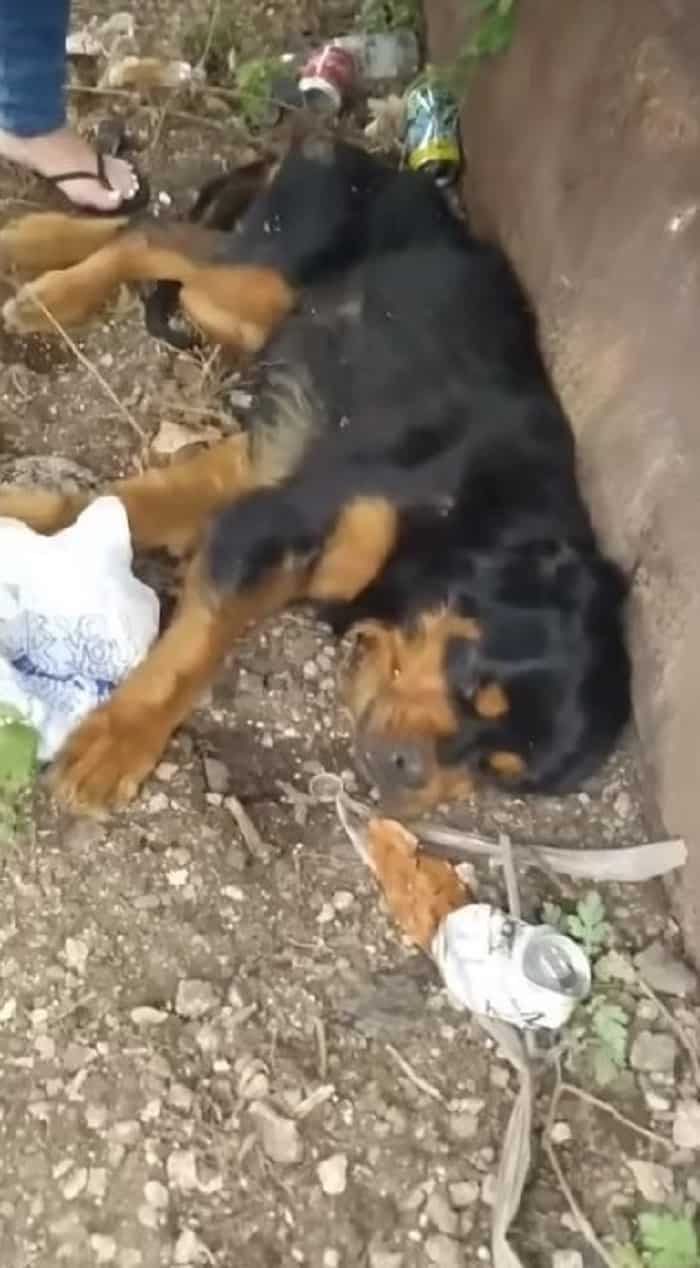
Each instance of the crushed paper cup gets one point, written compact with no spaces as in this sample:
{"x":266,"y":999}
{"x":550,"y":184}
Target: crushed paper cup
{"x":74,"y":620}
{"x":528,"y":975}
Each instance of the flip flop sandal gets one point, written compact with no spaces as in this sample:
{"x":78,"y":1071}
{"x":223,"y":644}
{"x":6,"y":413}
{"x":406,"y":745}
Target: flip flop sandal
{"x":138,"y":200}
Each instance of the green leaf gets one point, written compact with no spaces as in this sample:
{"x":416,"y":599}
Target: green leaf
{"x":588,"y":924}
{"x":18,"y":755}
{"x":669,"y":1241}
{"x":610,"y":1025}
{"x":626,"y":1257}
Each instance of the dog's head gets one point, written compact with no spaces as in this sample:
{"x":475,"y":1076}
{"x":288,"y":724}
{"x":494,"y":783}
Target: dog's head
{"x":510,"y":667}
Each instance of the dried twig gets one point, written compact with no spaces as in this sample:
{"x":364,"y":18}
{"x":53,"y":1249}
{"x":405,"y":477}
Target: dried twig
{"x":416,"y":1079}
{"x":570,"y":1089}
{"x":213,"y":22}
{"x":682,"y":1035}
{"x":585,"y":1227}
{"x":255,"y":845}
{"x":320,"y":1032}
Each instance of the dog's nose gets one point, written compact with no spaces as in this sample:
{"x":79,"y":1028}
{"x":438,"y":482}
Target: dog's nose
{"x":396,"y":765}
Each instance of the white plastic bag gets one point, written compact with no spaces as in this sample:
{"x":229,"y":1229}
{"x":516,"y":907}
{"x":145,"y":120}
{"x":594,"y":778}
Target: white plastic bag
{"x":73,"y":619}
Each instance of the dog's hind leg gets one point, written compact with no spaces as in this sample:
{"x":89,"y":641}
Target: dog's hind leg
{"x":167,"y":507}
{"x":54,"y":240}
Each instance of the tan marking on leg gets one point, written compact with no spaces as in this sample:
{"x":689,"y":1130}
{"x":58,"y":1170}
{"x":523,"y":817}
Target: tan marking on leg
{"x":356,"y":550}
{"x":491,"y":701}
{"x":54,"y":240}
{"x":504,"y":763}
{"x":116,"y":747}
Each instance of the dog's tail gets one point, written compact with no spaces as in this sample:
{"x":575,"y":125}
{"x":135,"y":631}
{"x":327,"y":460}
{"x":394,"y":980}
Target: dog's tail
{"x":54,"y":240}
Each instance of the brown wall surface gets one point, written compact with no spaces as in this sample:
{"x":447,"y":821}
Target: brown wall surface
{"x":583,"y":146}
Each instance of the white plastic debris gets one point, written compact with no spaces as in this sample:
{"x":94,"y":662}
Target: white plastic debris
{"x":528,"y":975}
{"x":74,"y":620}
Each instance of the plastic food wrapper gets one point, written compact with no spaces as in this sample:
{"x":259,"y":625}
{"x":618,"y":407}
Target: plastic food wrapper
{"x":419,"y":889}
{"x":74,"y":620}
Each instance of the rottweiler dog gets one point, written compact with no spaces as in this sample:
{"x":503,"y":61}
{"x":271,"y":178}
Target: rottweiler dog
{"x":407,"y":469}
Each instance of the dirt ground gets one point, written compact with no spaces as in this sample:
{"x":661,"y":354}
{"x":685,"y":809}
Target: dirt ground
{"x":217,"y":1056}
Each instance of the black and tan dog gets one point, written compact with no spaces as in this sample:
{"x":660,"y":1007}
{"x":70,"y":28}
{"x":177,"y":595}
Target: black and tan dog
{"x":408,"y":470}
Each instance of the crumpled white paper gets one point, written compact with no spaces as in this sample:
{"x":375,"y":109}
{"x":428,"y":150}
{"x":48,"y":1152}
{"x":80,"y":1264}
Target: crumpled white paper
{"x":74,"y":620}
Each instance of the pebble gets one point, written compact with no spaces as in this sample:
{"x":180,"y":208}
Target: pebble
{"x":333,"y":1174}
{"x":146,"y":1016}
{"x":385,"y":1259}
{"x":182,"y":1170}
{"x":664,"y":972}
{"x":156,"y":1194}
{"x":444,"y":1252}
{"x":441,"y":1214}
{"x":560,"y":1133}
{"x":253,"y":1080}
{"x":463,"y":1193}
{"x":75,"y":1184}
{"x":567,"y":1259}
{"x":463,"y":1126}
{"x":343,"y":899}
{"x":279,"y":1136}
{"x":686,"y":1125}
{"x":157,"y":803}
{"x":655,"y":1182}
{"x":652,"y":1052}
{"x":331,"y":1258}
{"x":217,"y":775}
{"x":693,"y":1187}
{"x":76,"y":953}
{"x":488,"y":1189}
{"x":181,"y":1097}
{"x":105,"y":1248}
{"x":189,"y":1250}
{"x":194,"y":998}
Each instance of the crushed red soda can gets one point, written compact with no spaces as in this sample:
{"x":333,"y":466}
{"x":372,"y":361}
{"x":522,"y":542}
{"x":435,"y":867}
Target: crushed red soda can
{"x":328,"y":77}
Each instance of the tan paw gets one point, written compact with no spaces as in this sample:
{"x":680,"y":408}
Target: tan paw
{"x":22,"y":315}
{"x":105,"y":761}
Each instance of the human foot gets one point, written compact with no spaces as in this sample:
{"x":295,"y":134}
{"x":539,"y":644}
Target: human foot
{"x":64,"y":151}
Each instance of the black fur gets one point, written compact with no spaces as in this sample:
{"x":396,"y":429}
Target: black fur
{"x":415,"y":356}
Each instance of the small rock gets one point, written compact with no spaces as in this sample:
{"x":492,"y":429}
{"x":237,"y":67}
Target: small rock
{"x":653,"y":1052}
{"x":343,"y":899}
{"x":195,"y":998}
{"x":622,"y":805}
{"x":105,"y":1248}
{"x":615,"y":967}
{"x":463,"y":1126}
{"x":182,"y":1170}
{"x":76,"y":953}
{"x":157,"y":803}
{"x":181,"y":1097}
{"x":567,"y":1259}
{"x":146,"y":1016}
{"x":333,"y":1174}
{"x":326,"y":914}
{"x":488,"y":1189}
{"x":655,"y":1182}
{"x":217,"y":775}
{"x":75,"y":1184}
{"x":385,"y":1259}
{"x":686,"y":1125}
{"x":76,"y":1056}
{"x":279,"y":1136}
{"x":441,"y":1214}
{"x":693,"y":1187}
{"x":190,"y":1250}
{"x":97,"y":1183}
{"x":331,"y":1258}
{"x":156,"y":1194}
{"x":664,"y":972}
{"x":655,"y":1101}
{"x":444,"y":1252}
{"x":560,"y":1133}
{"x":463,"y":1193}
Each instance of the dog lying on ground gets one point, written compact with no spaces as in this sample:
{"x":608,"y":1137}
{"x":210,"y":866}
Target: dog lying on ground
{"x":407,"y":469}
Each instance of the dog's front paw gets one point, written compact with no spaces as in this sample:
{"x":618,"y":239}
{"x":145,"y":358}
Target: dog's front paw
{"x":22,"y":315}
{"x":105,"y":761}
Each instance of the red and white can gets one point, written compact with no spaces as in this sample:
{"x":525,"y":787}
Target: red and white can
{"x":330,"y":75}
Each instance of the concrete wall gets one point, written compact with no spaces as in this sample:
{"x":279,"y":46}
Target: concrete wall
{"x":583,"y":144}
